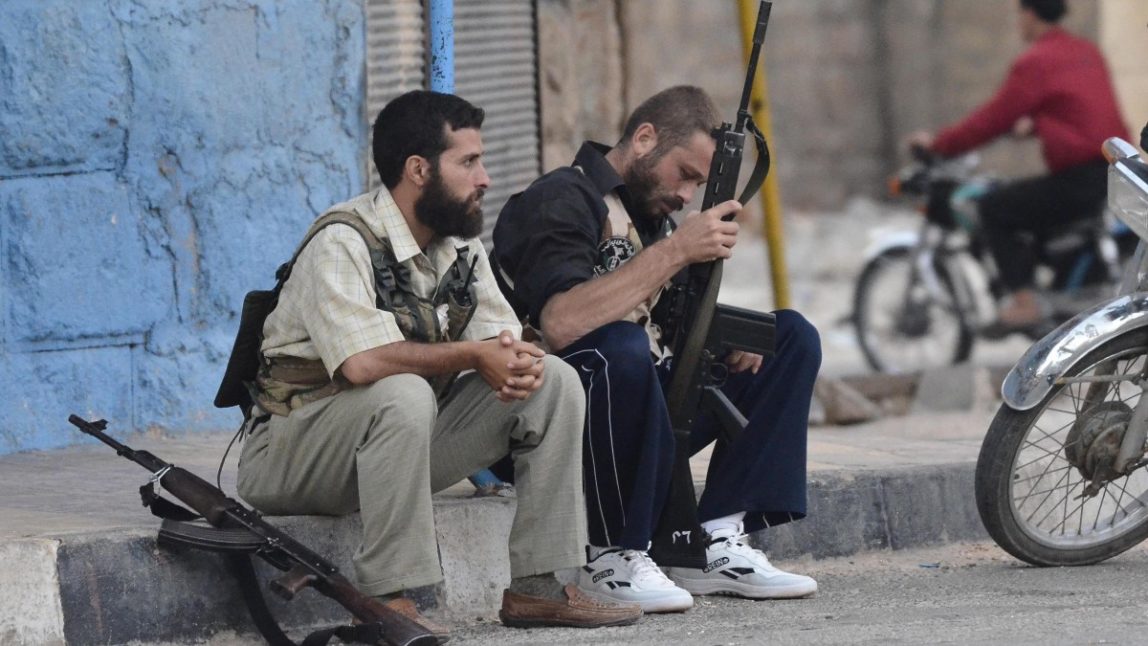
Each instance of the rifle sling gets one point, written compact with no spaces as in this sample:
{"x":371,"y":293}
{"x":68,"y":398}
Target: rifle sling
{"x":162,"y":507}
{"x":760,"y":167}
{"x":679,"y":517}
{"x":237,"y":545}
{"x":261,"y":616}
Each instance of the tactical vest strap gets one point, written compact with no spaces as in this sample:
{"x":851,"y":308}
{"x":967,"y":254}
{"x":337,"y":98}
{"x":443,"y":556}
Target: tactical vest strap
{"x":238,"y":387}
{"x":286,"y":383}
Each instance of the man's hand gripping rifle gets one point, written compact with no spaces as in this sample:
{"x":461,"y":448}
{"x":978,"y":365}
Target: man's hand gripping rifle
{"x":704,"y":333}
{"x":239,"y":531}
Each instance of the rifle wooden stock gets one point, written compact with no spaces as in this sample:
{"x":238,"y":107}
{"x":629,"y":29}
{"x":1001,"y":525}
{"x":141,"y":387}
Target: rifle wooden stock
{"x":304,"y":567}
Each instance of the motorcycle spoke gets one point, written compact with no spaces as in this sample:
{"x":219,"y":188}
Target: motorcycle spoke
{"x":1051,"y":489}
{"x":1119,"y":507}
{"x":1100,"y":507}
{"x":1045,"y":499}
{"x":1053,"y":454}
{"x":1064,"y":516}
{"x":1061,"y":410}
{"x":1052,"y":509}
{"x":1047,"y":469}
{"x":1041,"y":475}
{"x":1123,"y":491}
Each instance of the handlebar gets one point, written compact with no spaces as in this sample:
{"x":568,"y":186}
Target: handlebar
{"x":922,"y":154}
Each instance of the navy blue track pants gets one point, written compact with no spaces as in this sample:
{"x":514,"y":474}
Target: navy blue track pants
{"x":628,"y":447}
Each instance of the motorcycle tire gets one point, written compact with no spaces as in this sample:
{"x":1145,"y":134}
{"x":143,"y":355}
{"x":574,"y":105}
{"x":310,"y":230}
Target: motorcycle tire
{"x":1040,"y":517}
{"x":918,"y":336}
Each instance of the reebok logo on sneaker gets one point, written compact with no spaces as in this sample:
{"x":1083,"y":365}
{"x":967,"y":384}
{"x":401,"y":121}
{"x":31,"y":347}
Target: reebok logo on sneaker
{"x":736,"y":568}
{"x":716,"y":564}
{"x":630,"y":576}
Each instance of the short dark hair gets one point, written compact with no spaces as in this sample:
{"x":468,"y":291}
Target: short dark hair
{"x":413,"y":124}
{"x":676,"y":114}
{"x":1046,"y":10}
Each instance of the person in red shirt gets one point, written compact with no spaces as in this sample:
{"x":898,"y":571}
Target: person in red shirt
{"x":1060,"y":90}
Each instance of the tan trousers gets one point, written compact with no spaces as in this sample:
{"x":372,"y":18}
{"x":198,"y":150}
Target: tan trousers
{"x":383,"y":448}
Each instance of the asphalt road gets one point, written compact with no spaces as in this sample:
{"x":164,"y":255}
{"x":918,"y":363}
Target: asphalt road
{"x":960,"y":594}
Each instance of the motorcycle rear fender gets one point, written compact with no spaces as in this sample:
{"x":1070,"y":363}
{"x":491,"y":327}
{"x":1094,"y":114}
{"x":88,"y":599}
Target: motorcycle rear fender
{"x":1050,"y":358}
{"x":901,"y":239}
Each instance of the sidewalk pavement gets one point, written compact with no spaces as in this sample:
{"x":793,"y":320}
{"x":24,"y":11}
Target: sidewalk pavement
{"x":79,"y":562}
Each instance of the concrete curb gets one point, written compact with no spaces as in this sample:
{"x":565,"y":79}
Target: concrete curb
{"x":119,"y":586}
{"x":900,"y":508}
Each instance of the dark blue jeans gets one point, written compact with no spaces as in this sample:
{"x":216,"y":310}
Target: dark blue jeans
{"x":629,"y":445}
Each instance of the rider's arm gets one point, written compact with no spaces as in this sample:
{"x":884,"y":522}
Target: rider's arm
{"x":1019,"y":96}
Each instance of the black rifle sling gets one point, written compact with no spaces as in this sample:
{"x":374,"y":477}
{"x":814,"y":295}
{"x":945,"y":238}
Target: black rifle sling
{"x":244,"y":572}
{"x":760,"y":167}
{"x":237,"y":545}
{"x":244,"y":361}
{"x":678,"y":538}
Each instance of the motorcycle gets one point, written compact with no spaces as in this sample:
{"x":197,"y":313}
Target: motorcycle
{"x":1061,"y":478}
{"x":923,"y":297}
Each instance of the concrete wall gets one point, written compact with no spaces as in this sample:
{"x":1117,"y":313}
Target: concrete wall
{"x":848,"y":79}
{"x":1124,"y":38}
{"x":156,"y":162}
{"x":159,"y":159}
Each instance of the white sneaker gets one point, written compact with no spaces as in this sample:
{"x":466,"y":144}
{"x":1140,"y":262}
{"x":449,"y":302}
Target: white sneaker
{"x":631,"y":576}
{"x":734,"y":568}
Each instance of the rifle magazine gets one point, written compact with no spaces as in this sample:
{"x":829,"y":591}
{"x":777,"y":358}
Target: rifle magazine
{"x":200,"y":535}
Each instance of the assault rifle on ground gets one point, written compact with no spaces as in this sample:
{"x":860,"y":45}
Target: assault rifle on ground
{"x":238,"y":532}
{"x":704,"y":332}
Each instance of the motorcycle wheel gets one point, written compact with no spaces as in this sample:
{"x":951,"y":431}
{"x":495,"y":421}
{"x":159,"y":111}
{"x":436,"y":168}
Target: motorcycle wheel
{"x":900,"y":326}
{"x":1028,"y":492}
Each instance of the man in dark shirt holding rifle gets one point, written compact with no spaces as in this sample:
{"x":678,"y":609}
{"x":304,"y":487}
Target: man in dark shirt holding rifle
{"x":584,"y":254}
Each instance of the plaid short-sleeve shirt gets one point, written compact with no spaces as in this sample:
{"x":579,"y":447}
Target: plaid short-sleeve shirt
{"x":327,"y":307}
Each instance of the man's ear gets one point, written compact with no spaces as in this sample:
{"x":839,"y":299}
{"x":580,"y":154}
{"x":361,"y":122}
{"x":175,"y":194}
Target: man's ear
{"x":417,"y":170}
{"x":644,"y":139}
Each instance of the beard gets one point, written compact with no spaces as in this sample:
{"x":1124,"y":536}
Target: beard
{"x":446,"y":214}
{"x":642,"y":183}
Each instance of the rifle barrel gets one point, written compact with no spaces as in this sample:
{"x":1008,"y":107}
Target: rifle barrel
{"x":755,"y":53}
{"x":96,"y":430}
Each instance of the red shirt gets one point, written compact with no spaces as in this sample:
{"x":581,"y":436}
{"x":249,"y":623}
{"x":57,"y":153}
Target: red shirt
{"x":1063,"y":84}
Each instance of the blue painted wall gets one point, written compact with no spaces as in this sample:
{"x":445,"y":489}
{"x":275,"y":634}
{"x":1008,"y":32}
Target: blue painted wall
{"x":158,"y":159}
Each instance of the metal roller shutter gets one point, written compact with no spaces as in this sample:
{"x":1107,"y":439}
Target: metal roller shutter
{"x":396,"y":59}
{"x":496,"y":68}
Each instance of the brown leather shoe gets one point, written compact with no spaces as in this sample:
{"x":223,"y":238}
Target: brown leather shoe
{"x":578,"y":611}
{"x":406,"y":608}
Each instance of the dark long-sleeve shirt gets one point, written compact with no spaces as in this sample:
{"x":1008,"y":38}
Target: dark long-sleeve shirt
{"x":1063,"y":84}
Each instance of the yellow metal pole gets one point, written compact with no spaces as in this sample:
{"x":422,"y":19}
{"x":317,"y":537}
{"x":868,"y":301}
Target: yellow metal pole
{"x":770,"y":199}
